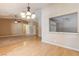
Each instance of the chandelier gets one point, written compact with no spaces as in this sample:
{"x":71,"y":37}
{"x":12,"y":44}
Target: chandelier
{"x":28,"y":15}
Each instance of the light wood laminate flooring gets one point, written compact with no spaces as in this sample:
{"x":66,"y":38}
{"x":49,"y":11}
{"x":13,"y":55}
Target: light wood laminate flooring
{"x":31,"y":46}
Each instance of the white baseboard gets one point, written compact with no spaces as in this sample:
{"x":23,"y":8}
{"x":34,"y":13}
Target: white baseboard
{"x":64,"y":46}
{"x":11,"y":35}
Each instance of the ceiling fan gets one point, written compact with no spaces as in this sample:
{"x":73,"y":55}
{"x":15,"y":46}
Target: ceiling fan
{"x":16,"y":20}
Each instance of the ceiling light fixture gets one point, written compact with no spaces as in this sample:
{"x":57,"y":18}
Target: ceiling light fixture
{"x":28,"y":14}
{"x":17,"y":20}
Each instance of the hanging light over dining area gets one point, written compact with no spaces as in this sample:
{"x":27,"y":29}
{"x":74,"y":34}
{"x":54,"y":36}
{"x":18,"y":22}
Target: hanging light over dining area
{"x":28,"y":14}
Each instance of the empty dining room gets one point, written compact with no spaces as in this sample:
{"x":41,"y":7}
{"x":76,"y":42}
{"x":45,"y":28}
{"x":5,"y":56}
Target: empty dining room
{"x":39,"y":29}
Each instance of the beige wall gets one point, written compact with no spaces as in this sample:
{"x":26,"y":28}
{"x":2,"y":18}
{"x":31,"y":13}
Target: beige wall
{"x":8,"y":27}
{"x":5,"y":27}
{"x":67,"y":40}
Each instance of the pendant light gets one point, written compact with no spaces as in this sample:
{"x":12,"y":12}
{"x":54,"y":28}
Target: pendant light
{"x":28,"y":14}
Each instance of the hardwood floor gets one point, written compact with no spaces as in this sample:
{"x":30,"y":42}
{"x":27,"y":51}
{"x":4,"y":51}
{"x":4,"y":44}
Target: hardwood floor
{"x":31,"y":46}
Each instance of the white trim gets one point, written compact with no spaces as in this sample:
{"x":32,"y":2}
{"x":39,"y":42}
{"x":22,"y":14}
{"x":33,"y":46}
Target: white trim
{"x":64,"y":46}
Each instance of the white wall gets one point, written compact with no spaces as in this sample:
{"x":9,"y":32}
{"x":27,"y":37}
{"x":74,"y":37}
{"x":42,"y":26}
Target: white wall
{"x":30,"y":29}
{"x":38,"y":19}
{"x":17,"y":29}
{"x":67,"y":40}
{"x":23,"y":29}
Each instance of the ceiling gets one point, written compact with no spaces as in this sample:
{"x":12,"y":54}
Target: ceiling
{"x":11,"y":9}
